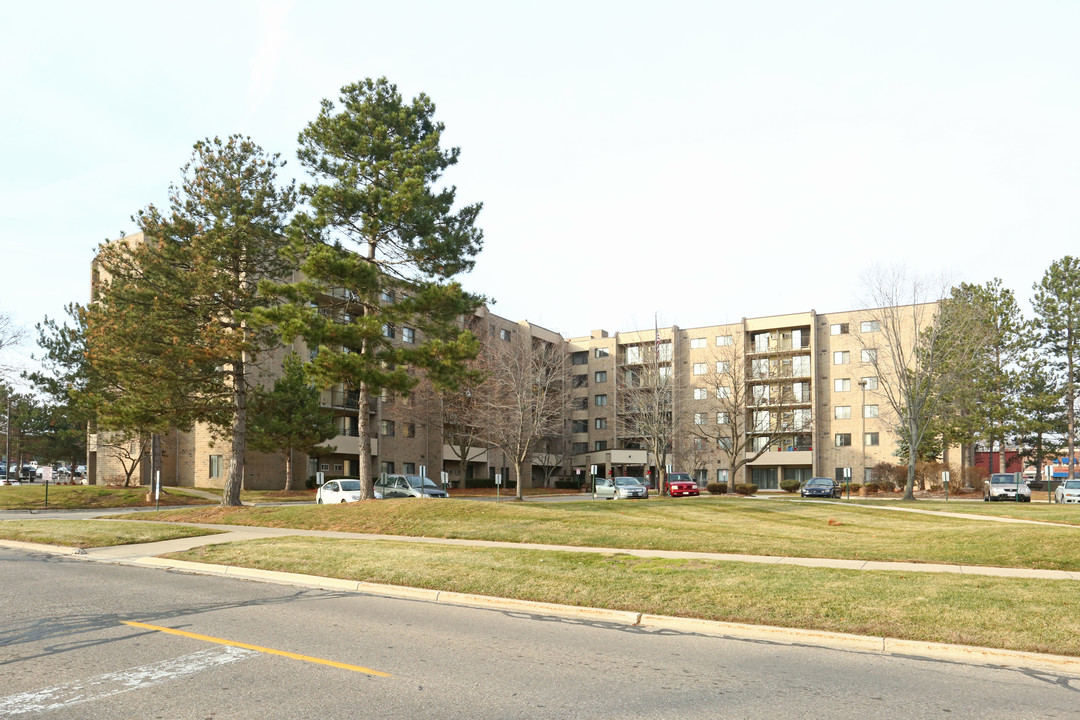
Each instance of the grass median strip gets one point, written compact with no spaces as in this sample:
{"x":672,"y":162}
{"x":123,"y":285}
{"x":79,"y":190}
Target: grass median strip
{"x":1015,"y":614}
{"x":786,"y":529}
{"x":70,"y":497}
{"x":94,"y":533}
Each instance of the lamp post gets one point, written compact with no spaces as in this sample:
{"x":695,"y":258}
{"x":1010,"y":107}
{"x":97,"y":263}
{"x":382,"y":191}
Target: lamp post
{"x":862,"y":388}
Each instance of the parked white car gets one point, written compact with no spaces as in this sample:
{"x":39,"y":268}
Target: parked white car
{"x":1006,"y":486}
{"x":1068,"y":492}
{"x":338,"y":491}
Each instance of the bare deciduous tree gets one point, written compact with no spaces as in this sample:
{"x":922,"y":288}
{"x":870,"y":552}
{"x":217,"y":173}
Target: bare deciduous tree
{"x":524,"y":398}
{"x":646,"y":402}
{"x":922,"y":348}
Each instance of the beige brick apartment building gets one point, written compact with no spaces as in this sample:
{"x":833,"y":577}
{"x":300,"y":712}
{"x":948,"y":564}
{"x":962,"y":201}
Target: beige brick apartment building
{"x":808,"y":379}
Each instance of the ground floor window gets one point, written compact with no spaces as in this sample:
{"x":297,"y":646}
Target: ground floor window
{"x":765,"y":478}
{"x":843,"y":474}
{"x":215,"y":466}
{"x":721,"y":476}
{"x":408,"y":468}
{"x":386,"y":466}
{"x":797,"y":473}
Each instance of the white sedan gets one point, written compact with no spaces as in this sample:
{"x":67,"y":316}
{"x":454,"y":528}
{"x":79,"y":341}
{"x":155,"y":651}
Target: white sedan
{"x":1068,"y":492}
{"x":338,"y":491}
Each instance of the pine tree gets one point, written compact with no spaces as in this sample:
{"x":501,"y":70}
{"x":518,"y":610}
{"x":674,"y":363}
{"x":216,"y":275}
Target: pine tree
{"x":380,"y":246}
{"x":171,"y":323}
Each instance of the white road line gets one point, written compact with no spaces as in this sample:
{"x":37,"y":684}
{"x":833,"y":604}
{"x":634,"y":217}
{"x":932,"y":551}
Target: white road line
{"x":103,"y":686}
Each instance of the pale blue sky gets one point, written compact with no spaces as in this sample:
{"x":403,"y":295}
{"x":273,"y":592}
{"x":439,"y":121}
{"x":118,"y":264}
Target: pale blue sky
{"x":701,"y":161}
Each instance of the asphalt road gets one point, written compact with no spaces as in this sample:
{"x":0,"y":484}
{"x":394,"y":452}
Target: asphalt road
{"x":68,"y":649}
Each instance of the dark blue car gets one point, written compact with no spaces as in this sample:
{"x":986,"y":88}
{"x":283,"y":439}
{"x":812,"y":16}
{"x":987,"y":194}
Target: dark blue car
{"x":821,"y":487}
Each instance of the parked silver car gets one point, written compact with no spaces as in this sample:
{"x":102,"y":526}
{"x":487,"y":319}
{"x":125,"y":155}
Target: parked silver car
{"x":401,"y":486}
{"x":1006,"y":486}
{"x":620,"y":488}
{"x":1068,"y":492}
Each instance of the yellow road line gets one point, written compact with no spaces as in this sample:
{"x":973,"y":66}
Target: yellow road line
{"x":269,"y":651}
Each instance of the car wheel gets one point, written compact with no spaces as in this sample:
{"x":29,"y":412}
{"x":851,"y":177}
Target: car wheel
{"x":342,"y":501}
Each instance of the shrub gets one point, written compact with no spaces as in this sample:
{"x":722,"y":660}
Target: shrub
{"x":855,"y":487}
{"x":975,"y":477}
{"x":872,"y":487}
{"x":790,"y":485}
{"x":746,"y":489}
{"x":566,"y":484}
{"x":717,"y":488}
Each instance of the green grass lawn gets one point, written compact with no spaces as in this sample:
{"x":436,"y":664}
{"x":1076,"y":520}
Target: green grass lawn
{"x":70,"y":497}
{"x":1030,"y":615}
{"x":94,"y":533}
{"x":724,"y":525}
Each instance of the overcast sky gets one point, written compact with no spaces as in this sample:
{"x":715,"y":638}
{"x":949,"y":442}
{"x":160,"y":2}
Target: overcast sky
{"x":700,"y":161}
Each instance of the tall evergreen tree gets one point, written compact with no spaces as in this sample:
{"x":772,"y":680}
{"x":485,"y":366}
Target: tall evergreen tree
{"x":380,"y":246}
{"x":1043,"y":422}
{"x":1057,"y":324}
{"x":172,"y":318}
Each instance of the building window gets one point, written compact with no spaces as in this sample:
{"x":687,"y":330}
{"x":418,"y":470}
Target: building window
{"x":800,"y":366}
{"x":387,"y":296}
{"x":600,"y":376}
{"x":697,"y":343}
{"x":842,"y":384}
{"x":841,"y":357}
{"x":579,"y":381}
{"x":664,"y":372}
{"x":839,"y":329}
{"x":723,"y":367}
{"x":721,"y":418}
{"x":868,"y":326}
{"x":408,"y":468}
{"x":600,"y":423}
{"x":215,"y":466}
{"x":600,"y":400}
{"x":325,"y":467}
{"x":700,"y":393}
{"x":843,"y":439}
{"x":870,"y":411}
{"x":663,"y":351}
{"x":408,"y":430}
{"x":580,"y":447}
{"x":843,"y":474}
{"x":842,"y":412}
{"x":633,"y":355}
{"x":337,"y":467}
{"x":869,"y":356}
{"x":699,"y":418}
{"x":580,"y":358}
{"x":800,"y":419}
{"x":600,"y":445}
{"x":504,"y":334}
{"x":601,"y":352}
{"x":579,"y":426}
{"x":387,"y":428}
{"x":387,"y":466}
{"x":723,"y":392}
{"x":408,"y":334}
{"x":699,"y":368}
{"x":871,"y":383}
{"x":581,"y":403}
{"x":870,"y":438}
{"x":722,"y":340}
{"x":388,"y":330}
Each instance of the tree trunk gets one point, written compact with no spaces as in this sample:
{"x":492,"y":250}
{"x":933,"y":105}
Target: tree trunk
{"x":288,"y":471}
{"x":519,"y":492}
{"x":235,"y":481}
{"x":363,"y":425}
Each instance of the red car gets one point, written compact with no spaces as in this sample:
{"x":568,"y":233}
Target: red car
{"x":680,"y":484}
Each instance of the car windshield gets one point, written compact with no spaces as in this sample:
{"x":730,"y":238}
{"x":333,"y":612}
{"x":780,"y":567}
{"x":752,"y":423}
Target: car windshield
{"x":1004,"y":480}
{"x":677,"y":477}
{"x":352,"y":485}
{"x":819,"y":481}
{"x":1072,"y":484}
{"x":417,"y":481}
{"x":626,"y":481}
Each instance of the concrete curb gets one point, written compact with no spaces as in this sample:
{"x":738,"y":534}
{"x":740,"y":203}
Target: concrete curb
{"x":789,"y":636}
{"x":740,"y":631}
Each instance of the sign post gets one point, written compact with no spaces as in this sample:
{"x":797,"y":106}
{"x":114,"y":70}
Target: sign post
{"x":592,"y":473}
{"x":498,"y":485}
{"x":847,"y":476}
{"x":945,"y":482}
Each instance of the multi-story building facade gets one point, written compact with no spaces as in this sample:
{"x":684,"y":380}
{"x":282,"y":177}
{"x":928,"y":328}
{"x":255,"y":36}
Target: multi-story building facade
{"x":793,"y":396}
